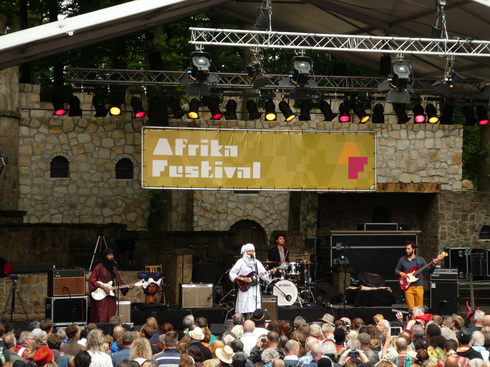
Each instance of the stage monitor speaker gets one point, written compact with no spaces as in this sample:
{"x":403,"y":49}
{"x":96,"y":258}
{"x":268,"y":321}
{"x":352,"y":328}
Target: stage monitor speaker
{"x":124,"y":311}
{"x":444,"y":297}
{"x":66,"y":282}
{"x":459,"y":258}
{"x":269,"y":305}
{"x":325,"y":293}
{"x":67,"y":310}
{"x":196,"y":295}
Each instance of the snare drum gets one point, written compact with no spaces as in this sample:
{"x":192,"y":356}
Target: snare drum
{"x":285,"y":290}
{"x":293,"y":270}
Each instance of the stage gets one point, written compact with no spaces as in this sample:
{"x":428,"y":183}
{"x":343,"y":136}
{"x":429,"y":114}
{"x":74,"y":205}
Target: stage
{"x":217,"y":316}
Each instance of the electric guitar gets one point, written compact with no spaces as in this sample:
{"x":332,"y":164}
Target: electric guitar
{"x":244,"y":286}
{"x":99,"y":294}
{"x":412,"y":274}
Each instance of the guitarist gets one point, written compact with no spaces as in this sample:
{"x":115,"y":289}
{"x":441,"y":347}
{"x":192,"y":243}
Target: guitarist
{"x":105,"y":272}
{"x":243,"y":271}
{"x":414,"y":295}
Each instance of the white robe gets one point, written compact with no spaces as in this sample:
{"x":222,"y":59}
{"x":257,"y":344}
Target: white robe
{"x":250,"y":300}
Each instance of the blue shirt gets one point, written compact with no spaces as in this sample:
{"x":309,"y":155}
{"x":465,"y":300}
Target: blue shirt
{"x":169,"y":358}
{"x":404,"y":265}
{"x":121,"y":355}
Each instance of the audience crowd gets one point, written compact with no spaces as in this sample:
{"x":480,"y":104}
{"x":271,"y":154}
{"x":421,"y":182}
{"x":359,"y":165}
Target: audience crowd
{"x":420,"y":340}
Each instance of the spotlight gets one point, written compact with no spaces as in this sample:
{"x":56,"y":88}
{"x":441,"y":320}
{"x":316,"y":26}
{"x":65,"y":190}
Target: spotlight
{"x":59,"y":107}
{"x":482,"y":113}
{"x":344,"y":113}
{"x":256,"y":75}
{"x":115,"y":109}
{"x":397,"y":83}
{"x":262,"y":20}
{"x":75,"y":109}
{"x":214,"y":109}
{"x":469,"y":115}
{"x":327,"y":111}
{"x":155,"y":108}
{"x":253,"y":111}
{"x":194,"y":109}
{"x":301,"y":70}
{"x":231,"y":107}
{"x":400,"y":76}
{"x":99,"y":105}
{"x":378,"y":114}
{"x":176,"y":108}
{"x":431,"y":111}
{"x":286,"y":111}
{"x":304,"y":114}
{"x":361,"y":114}
{"x":270,"y":110}
{"x":139,"y":111}
{"x":447,"y":115}
{"x":419,"y":116}
{"x":198,"y":71}
{"x":401,"y":114}
{"x":445,"y":84}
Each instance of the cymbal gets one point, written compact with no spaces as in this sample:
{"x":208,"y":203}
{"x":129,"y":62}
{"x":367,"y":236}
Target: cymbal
{"x":269,"y":262}
{"x":302,"y":255}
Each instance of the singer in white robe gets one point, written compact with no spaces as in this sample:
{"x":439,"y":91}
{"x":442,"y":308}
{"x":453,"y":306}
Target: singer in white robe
{"x":248,"y":301}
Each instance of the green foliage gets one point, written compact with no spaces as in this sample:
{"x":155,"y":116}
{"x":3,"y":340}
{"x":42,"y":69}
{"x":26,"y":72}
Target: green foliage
{"x":471,"y":153}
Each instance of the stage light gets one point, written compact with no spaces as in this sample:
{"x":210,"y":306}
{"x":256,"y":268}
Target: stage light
{"x":328,"y":115}
{"x":75,"y":109}
{"x":301,"y":70}
{"x":139,"y":111}
{"x":231,"y":107}
{"x":344,"y":113}
{"x":361,"y":114}
{"x":270,"y":110}
{"x":431,"y":111}
{"x":378,"y":114}
{"x":214,"y":109}
{"x":174,"y":104}
{"x":194,"y":109}
{"x":447,"y":115}
{"x":58,"y":106}
{"x":286,"y":111}
{"x":397,"y":83}
{"x":469,"y":115}
{"x":262,"y":20}
{"x":115,"y":109}
{"x":482,"y":113}
{"x":401,"y":114}
{"x":419,"y":116}
{"x":198,"y":70}
{"x":253,"y":111}
{"x":445,"y":84}
{"x":304,"y":114}
{"x":256,"y":75}
{"x":99,"y":105}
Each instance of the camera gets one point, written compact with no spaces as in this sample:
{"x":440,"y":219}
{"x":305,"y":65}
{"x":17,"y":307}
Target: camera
{"x":354,"y":354}
{"x":14,"y":276}
{"x":395,"y":330}
{"x":263,"y":340}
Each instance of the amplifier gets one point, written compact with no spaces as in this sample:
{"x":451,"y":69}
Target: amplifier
{"x":444,"y":274}
{"x":196,"y":295}
{"x":66,"y":282}
{"x":67,"y":310}
{"x":269,"y":305}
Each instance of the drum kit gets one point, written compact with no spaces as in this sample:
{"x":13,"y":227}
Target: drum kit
{"x":294,"y":284}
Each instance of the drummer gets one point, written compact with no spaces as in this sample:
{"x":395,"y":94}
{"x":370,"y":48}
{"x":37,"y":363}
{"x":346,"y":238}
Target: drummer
{"x":278,"y":254}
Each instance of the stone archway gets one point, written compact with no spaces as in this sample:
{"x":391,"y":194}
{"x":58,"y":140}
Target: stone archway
{"x":250,"y":231}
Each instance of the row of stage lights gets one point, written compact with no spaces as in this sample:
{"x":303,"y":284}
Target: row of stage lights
{"x":420,"y":115}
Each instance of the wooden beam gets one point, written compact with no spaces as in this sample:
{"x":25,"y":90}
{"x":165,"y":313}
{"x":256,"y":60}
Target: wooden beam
{"x":418,"y":188}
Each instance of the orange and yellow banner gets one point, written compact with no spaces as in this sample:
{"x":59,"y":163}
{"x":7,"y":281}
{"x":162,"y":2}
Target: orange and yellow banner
{"x":258,"y":160}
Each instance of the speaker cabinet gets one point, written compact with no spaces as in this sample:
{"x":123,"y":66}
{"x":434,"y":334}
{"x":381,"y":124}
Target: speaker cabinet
{"x":269,"y":305}
{"x":124,"y":311}
{"x":444,"y":297}
{"x":67,"y":310}
{"x":66,"y":282}
{"x":196,"y":295}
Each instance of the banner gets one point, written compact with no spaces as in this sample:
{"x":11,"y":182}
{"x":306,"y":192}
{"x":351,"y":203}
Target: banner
{"x":257,"y":160}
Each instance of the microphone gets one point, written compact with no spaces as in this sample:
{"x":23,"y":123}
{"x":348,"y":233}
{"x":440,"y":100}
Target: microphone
{"x":115,"y":263}
{"x":252,"y":257}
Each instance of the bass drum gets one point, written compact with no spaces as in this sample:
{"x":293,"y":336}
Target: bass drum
{"x":285,"y":290}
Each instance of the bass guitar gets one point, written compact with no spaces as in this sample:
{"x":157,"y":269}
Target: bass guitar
{"x":100,"y":294}
{"x":412,"y":274}
{"x":244,"y":286}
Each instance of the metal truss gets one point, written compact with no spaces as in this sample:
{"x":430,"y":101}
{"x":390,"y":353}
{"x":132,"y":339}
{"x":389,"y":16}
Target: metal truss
{"x":146,"y":78}
{"x":338,"y":42}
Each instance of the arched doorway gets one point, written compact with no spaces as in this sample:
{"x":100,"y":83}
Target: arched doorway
{"x":249,"y":231}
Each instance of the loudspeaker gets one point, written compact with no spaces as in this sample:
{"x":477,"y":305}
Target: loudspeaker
{"x":444,"y":297}
{"x":196,"y":295}
{"x":67,"y":310}
{"x":66,"y":282}
{"x":269,"y":305}
{"x":325,"y":293}
{"x":124,"y":311}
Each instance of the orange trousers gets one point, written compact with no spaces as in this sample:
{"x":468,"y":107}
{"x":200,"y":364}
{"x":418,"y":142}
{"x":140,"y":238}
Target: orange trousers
{"x":414,"y":296}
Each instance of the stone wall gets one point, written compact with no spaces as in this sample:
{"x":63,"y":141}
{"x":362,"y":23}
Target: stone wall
{"x":92,"y":147}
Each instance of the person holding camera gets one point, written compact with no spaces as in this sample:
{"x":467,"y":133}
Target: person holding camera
{"x":354,"y":356}
{"x":271,"y":340}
